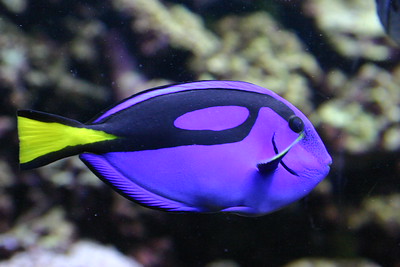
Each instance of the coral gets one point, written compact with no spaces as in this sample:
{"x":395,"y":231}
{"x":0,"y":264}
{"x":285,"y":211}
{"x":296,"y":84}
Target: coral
{"x":223,"y":263}
{"x":172,"y":24}
{"x":15,"y":6}
{"x":382,"y":210}
{"x":365,"y":108}
{"x":350,"y":26}
{"x":377,"y":224}
{"x":30,"y":62}
{"x":82,"y":253}
{"x":50,"y":231}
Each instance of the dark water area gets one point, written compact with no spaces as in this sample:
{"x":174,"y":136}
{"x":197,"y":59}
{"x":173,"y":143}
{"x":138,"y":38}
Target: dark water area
{"x":331,"y":59}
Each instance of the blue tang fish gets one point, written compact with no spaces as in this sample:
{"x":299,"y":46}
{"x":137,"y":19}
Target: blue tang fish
{"x":206,"y":146}
{"x":389,"y":15}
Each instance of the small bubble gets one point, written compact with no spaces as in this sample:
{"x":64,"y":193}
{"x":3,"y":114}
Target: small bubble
{"x":74,"y":73}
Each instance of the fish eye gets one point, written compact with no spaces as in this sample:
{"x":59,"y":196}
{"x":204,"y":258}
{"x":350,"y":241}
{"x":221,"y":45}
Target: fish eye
{"x":296,"y":124}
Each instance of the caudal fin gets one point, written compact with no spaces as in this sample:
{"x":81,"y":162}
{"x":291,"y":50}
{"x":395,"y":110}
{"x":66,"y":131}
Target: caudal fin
{"x":45,"y":138}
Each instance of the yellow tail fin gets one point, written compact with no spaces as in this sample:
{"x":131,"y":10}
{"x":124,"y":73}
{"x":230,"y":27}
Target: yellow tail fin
{"x":42,"y":136}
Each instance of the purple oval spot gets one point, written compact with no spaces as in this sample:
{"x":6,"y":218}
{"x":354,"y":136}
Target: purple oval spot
{"x":213,"y":118}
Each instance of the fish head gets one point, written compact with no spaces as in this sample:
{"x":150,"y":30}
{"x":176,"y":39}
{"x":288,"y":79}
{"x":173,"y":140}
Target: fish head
{"x":304,"y":162}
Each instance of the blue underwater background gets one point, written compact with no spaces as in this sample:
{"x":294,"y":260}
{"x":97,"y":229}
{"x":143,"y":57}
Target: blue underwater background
{"x":331,"y":59}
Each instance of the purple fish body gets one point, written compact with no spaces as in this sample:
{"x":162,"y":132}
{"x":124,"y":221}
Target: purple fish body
{"x":207,"y":146}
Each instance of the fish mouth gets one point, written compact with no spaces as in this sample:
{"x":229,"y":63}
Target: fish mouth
{"x":282,"y":163}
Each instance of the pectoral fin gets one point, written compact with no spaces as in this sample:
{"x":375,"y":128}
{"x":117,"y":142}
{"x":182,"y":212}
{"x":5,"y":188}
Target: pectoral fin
{"x":268,"y":166}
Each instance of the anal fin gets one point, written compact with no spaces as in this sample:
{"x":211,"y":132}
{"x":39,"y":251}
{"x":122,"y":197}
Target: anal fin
{"x":99,"y":165}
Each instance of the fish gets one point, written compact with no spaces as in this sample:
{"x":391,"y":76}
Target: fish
{"x":202,"y":147}
{"x":389,"y":15}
